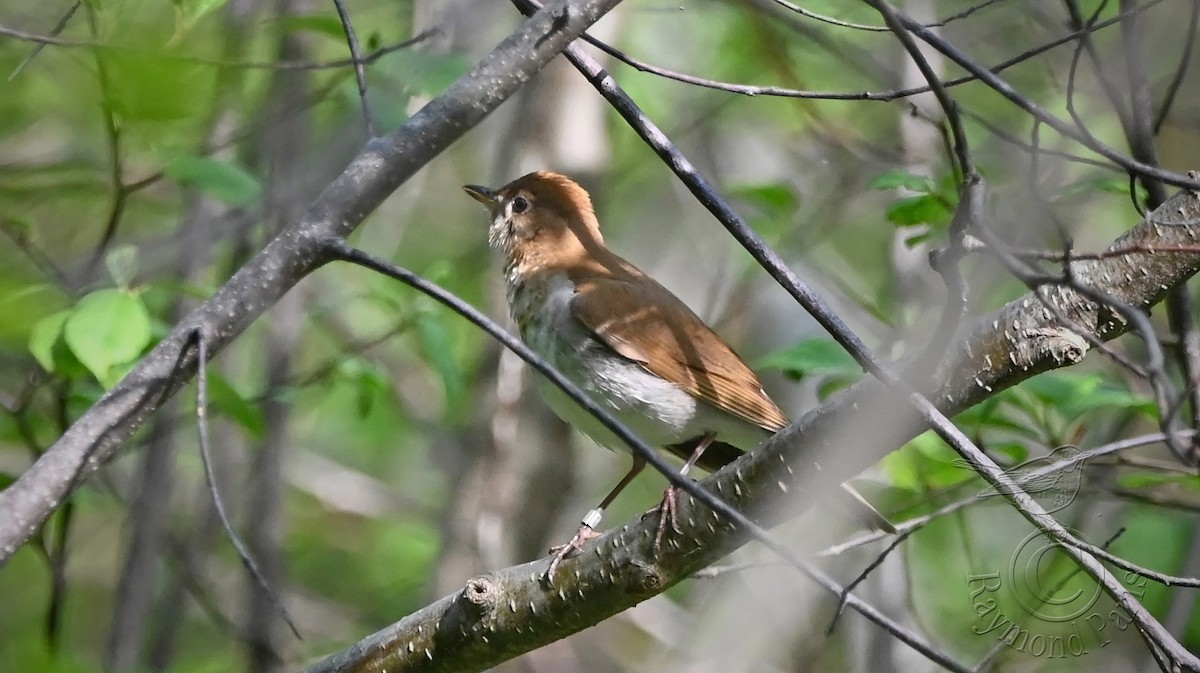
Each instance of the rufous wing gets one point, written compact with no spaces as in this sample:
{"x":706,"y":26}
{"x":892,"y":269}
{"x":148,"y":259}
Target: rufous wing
{"x":641,"y":320}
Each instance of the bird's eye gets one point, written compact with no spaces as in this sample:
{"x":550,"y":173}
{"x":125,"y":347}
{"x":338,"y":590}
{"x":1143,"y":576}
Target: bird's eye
{"x":520,"y":205}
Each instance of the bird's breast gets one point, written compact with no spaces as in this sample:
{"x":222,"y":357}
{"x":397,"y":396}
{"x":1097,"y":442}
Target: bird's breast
{"x":659,"y":411}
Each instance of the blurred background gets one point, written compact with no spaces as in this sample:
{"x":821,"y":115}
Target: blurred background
{"x":376,"y":451}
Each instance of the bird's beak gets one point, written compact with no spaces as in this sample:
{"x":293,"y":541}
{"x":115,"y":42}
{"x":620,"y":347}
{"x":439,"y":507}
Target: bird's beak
{"x":487,"y":197}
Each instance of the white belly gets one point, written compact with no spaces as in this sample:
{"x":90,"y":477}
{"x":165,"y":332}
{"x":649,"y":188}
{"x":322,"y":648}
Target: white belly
{"x":657,"y":410}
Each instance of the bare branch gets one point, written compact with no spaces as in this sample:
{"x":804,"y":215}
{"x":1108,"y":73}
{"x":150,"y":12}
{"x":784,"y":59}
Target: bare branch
{"x":501,"y":614}
{"x":383,"y":165}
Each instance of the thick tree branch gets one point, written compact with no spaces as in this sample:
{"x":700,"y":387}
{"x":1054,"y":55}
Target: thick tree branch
{"x":598,"y":587}
{"x":1025,"y":336}
{"x":375,"y":173}
{"x":502,"y":614}
{"x":894,"y":389}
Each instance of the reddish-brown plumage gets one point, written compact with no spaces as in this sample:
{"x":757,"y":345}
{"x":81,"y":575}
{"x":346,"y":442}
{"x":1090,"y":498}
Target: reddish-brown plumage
{"x":668,"y":339}
{"x":621,"y":336}
{"x":629,"y":311}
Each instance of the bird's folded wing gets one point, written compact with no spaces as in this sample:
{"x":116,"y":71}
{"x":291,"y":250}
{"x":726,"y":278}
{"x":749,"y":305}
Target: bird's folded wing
{"x":657,"y":330}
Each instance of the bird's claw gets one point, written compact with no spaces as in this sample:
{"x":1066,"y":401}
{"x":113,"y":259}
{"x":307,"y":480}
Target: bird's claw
{"x":666,"y":513}
{"x":562,"y":551}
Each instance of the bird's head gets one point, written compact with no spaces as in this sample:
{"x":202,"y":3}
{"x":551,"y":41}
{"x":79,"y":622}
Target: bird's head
{"x":541,"y":221}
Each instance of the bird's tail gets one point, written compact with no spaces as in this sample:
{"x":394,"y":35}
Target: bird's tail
{"x":717,"y":455}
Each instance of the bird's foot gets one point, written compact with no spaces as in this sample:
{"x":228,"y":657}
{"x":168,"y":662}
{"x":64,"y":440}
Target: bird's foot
{"x":666,"y":515}
{"x":585,"y":534}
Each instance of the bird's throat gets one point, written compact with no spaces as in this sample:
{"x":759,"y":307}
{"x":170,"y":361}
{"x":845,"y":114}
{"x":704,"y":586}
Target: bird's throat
{"x":537,"y":302}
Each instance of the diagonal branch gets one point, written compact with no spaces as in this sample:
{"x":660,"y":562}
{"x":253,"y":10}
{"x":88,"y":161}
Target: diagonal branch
{"x":505,"y":613}
{"x":382,"y":166}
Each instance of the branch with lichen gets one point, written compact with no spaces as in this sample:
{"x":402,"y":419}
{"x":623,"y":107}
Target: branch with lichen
{"x":505,"y":613}
{"x":383,"y":165}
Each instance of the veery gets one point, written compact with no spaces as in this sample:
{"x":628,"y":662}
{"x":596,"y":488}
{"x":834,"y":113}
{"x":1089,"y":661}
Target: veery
{"x":623,"y":338}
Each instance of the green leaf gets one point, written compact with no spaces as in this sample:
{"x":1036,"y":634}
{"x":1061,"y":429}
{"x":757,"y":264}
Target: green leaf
{"x":226,"y":399}
{"x":812,"y":357}
{"x":1054,"y":389}
{"x":948,"y":186}
{"x":939,"y":572}
{"x":369,"y":381}
{"x":437,"y":345}
{"x":19,"y":227}
{"x":189,"y":12}
{"x":439,"y":271}
{"x":1118,"y":186}
{"x":919,"y":238}
{"x":899,"y":178}
{"x":428,"y":73}
{"x":324,"y":24}
{"x":776,"y":199}
{"x":1111,"y":397}
{"x":832,"y":384}
{"x":1014,"y":453}
{"x":902,"y":469}
{"x":44,"y":337}
{"x":1140,"y":480}
{"x":26,"y":649}
{"x":923,"y":209}
{"x":224,"y":181}
{"x":937,"y":463}
{"x":147,"y":88}
{"x":1073,"y":395}
{"x":997,"y":413}
{"x":1154,"y":538}
{"x":108,"y":328}
{"x":122,"y":265}
{"x":1107,"y":184}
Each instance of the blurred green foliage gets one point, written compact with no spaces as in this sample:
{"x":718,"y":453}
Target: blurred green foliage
{"x":396,"y":408}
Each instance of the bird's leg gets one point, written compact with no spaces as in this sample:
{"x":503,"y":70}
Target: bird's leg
{"x":587,"y":527}
{"x":666,"y":509}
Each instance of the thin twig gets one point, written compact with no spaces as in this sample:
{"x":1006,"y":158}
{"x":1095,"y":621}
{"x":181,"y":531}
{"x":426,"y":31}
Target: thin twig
{"x":374,"y":173}
{"x":210,"y":478}
{"x":1002,"y":87}
{"x":16,"y":233}
{"x":817,"y":307}
{"x":341,"y":250}
{"x":881,"y":96}
{"x":1185,"y":59}
{"x":1022,"y":479}
{"x":37,"y":48}
{"x":1087,"y":44}
{"x":112,"y":137}
{"x":862,"y":576}
{"x":373,"y":56}
{"x":880,"y":29}
{"x":360,"y":75}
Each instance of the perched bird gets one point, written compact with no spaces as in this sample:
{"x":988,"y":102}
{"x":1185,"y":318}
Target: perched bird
{"x":623,"y":338}
{"x":1053,"y":490}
